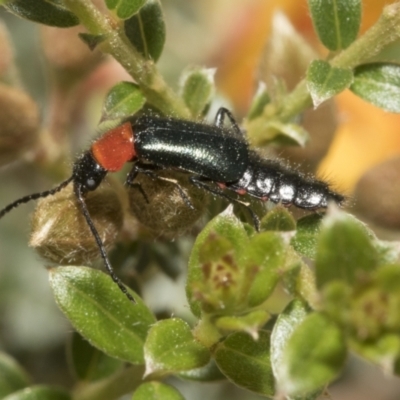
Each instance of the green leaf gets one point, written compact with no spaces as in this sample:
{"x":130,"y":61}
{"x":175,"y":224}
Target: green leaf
{"x":278,"y":219}
{"x":260,"y":100}
{"x":225,"y":226}
{"x":209,"y":373}
{"x":309,"y":396}
{"x":389,"y":251}
{"x":156,"y":391}
{"x":39,"y":392}
{"x":170,"y":347}
{"x":313,"y":356}
{"x":344,"y":251}
{"x":249,"y":323}
{"x":264,"y":130}
{"x":379,"y":84}
{"x":325,"y":81}
{"x":146,"y":30}
{"x":101,"y":313}
{"x":265,"y":256}
{"x":197,"y":89}
{"x":287,"y":134}
{"x":385,"y":352}
{"x":305,"y":240}
{"x":124,"y":9}
{"x":123,"y":100}
{"x":92,"y":41}
{"x":291,"y":317}
{"x":336,"y":21}
{"x":246,"y":362}
{"x":12,"y":376}
{"x":88,"y":363}
{"x":47,"y":12}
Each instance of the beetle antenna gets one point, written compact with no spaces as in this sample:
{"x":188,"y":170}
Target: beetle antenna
{"x":35,"y":196}
{"x":95,"y":233}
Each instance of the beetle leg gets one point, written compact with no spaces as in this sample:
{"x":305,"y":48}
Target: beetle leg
{"x":222,"y":113}
{"x":198,"y":182}
{"x":148,"y":170}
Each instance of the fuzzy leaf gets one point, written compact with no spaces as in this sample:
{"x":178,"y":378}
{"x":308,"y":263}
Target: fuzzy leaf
{"x":101,"y":312}
{"x":170,"y":347}
{"x":123,"y":100}
{"x":47,"y":12}
{"x":344,"y":251}
{"x":39,"y":392}
{"x":278,"y":219}
{"x":324,"y":81}
{"x":336,"y":21}
{"x":209,"y":373}
{"x":260,"y":100}
{"x":313,"y":356}
{"x":249,"y":323}
{"x":89,"y":363}
{"x":265,"y":256}
{"x":287,"y":322}
{"x":307,"y":232}
{"x":125,"y":8}
{"x":197,"y":89}
{"x":246,"y":362}
{"x":92,"y":41}
{"x":155,"y":391}
{"x":379,"y":84}
{"x":12,"y":376}
{"x":146,"y":30}
{"x":288,"y":133}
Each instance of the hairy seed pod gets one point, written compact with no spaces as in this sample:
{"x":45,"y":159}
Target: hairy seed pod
{"x":60,"y":233}
{"x":164,"y":211}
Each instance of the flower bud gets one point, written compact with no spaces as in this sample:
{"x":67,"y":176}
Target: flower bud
{"x":160,"y":206}
{"x":59,"y":230}
{"x":19,"y":123}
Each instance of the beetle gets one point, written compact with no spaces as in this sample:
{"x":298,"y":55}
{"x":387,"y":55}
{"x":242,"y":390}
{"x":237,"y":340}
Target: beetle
{"x":213,"y":152}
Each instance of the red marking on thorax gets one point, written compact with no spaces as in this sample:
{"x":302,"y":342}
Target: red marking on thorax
{"x":115,"y":148}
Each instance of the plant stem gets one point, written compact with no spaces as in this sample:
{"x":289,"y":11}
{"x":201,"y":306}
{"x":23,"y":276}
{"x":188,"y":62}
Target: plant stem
{"x":385,"y":31}
{"x":205,"y":332}
{"x":142,"y":70}
{"x":118,"y":384}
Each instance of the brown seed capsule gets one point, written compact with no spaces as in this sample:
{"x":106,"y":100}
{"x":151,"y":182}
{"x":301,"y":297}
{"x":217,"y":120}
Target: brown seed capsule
{"x":19,"y":123}
{"x":166,"y":212}
{"x":378,"y":194}
{"x":59,"y":230}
